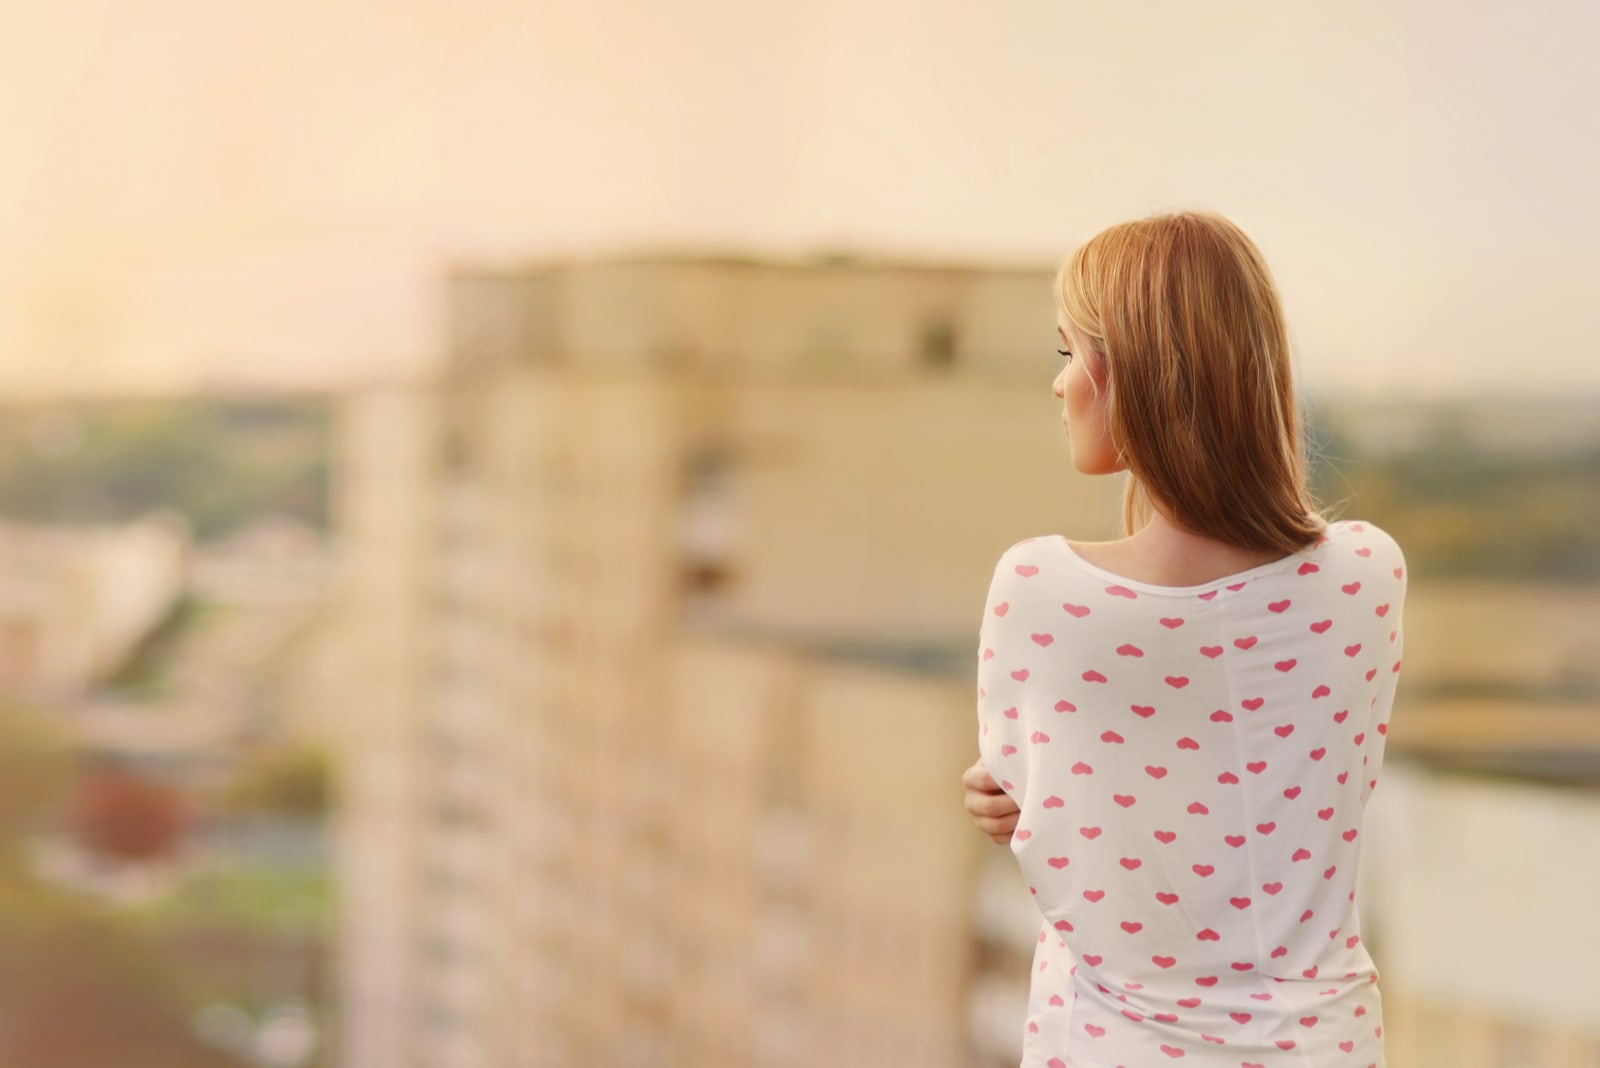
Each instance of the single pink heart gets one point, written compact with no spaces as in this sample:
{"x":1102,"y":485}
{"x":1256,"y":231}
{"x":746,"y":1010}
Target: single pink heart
{"x":1144,"y":711}
{"x":1042,"y":640}
{"x":1129,"y":649}
{"x":1089,"y":832}
{"x":1239,"y":902}
{"x":1301,"y":854}
{"x":1054,"y":802}
{"x":1227,"y":778}
{"x":1286,"y":665}
{"x":1027,"y":570}
{"x":1111,"y":737}
{"x":1351,"y":588}
{"x":1171,"y":622}
{"x":1177,"y":682}
{"x":1212,"y":651}
{"x":1058,"y":862}
{"x":1252,"y":703}
{"x":1130,"y":862}
{"x":1154,"y":771}
{"x":1245,"y":643}
{"x":1125,"y":800}
{"x":1093,"y":676}
{"x":1235,"y":840}
{"x":1322,"y":626}
{"x":1121,"y":591}
{"x":1094,"y":895}
{"x":1271,"y":888}
{"x":1188,"y":743}
{"x":1078,"y":610}
{"x":1080,"y":768}
{"x":1204,"y":870}
{"x":1323,"y":691}
{"x":1279,"y":606}
{"x":1220,"y":716}
{"x":1292,"y":792}
{"x":1166,"y":837}
{"x":1166,"y":898}
{"x":1256,"y":767}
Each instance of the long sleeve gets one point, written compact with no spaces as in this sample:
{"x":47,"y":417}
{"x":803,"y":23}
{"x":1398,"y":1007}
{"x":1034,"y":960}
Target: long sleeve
{"x":1002,"y":720}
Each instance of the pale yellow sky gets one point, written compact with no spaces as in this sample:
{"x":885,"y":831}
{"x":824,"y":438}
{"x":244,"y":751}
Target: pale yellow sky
{"x":197,"y":191}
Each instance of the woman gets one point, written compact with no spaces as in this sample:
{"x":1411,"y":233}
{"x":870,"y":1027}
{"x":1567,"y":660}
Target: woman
{"x":1179,"y":730}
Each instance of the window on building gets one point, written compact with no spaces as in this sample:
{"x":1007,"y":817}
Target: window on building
{"x":938,"y":345}
{"x":705,"y":528}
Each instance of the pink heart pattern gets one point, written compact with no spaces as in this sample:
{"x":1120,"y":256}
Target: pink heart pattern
{"x":1180,"y":754}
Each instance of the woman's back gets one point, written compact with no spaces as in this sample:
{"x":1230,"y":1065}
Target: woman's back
{"x":1192,"y":764}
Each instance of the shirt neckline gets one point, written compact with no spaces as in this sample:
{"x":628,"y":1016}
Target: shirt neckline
{"x":1234,"y":579}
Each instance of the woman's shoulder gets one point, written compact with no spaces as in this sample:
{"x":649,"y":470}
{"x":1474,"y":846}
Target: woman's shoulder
{"x":1361,"y":542}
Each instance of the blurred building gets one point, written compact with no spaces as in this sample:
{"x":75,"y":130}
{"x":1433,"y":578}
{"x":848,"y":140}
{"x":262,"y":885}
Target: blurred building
{"x":653,"y":716}
{"x":653,"y":676}
{"x":75,"y":602}
{"x":274,"y":560}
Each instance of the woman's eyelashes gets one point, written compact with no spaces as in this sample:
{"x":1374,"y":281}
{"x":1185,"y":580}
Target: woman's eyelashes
{"x":1064,"y":352}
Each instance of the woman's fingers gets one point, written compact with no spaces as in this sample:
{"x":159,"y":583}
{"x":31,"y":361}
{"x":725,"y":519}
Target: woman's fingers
{"x":993,"y":810}
{"x":989,"y":806}
{"x":977,"y":777}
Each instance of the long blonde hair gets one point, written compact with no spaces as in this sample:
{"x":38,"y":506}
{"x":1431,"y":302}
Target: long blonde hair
{"x":1183,"y":317}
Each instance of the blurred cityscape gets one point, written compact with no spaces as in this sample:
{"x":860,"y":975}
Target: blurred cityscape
{"x":602,"y":701}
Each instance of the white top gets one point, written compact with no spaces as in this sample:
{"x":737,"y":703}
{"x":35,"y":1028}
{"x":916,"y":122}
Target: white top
{"x":1192,"y":764}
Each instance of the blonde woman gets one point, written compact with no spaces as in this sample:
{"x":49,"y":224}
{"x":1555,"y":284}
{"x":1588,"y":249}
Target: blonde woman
{"x":1179,"y":730}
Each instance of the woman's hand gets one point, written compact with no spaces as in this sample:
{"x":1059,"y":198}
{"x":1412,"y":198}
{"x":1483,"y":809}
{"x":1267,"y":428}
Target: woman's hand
{"x":989,"y":806}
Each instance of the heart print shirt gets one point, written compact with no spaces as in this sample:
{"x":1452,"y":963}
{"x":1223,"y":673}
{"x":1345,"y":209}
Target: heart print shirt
{"x":1192,"y":764}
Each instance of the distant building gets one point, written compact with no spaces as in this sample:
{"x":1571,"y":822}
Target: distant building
{"x":276,"y":559}
{"x":75,"y":602}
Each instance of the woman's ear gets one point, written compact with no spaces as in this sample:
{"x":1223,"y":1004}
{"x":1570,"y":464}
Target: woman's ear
{"x":1098,"y":368}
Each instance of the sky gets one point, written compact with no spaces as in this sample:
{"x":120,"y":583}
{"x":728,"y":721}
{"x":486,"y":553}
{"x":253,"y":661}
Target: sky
{"x":214,"y":192}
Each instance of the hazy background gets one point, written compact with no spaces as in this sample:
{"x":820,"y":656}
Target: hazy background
{"x":309,"y":718}
{"x":197,"y":192}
